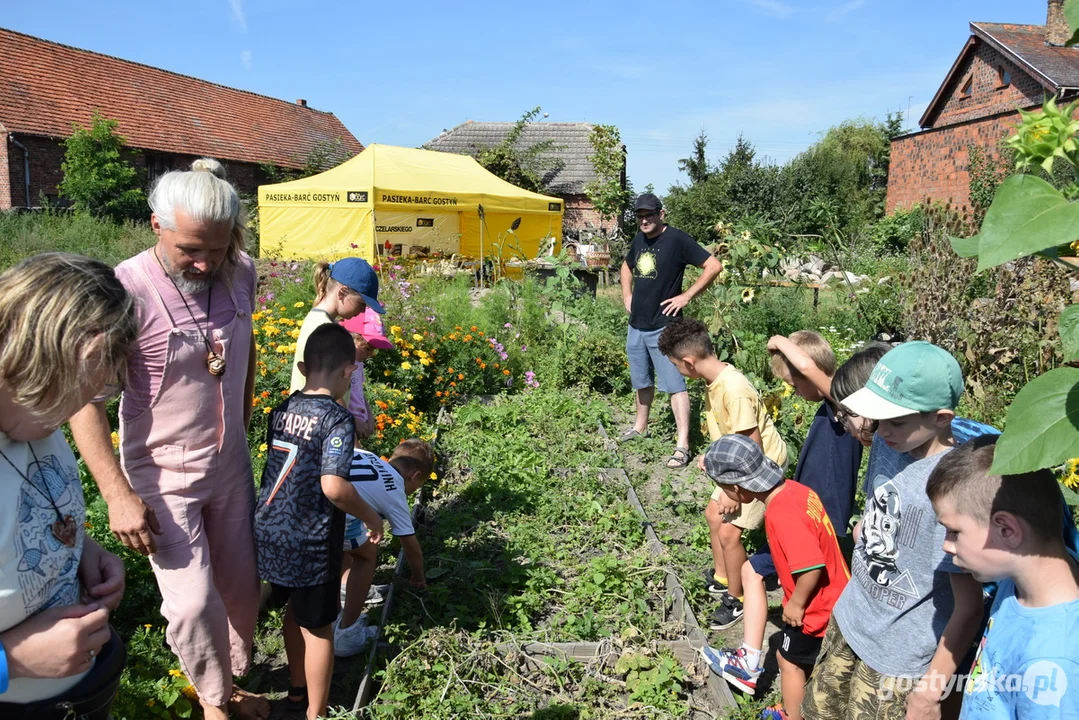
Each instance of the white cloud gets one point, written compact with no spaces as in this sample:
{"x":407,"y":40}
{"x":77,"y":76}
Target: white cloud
{"x":245,"y":59}
{"x":773,"y":7}
{"x":847,"y":7}
{"x":237,"y":7}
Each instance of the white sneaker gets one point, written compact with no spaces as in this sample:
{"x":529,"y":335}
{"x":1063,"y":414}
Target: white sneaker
{"x":377,"y":594}
{"x":354,"y":639}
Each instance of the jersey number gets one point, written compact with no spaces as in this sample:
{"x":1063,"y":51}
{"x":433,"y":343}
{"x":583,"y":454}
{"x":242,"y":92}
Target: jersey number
{"x":291,"y":450}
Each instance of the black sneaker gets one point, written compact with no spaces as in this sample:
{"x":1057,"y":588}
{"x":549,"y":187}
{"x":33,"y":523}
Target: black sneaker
{"x":728,"y":613}
{"x":712,"y":585}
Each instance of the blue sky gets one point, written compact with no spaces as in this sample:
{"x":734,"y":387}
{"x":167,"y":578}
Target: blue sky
{"x":779,"y":71}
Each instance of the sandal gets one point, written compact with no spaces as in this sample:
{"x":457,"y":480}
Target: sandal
{"x":632,"y":434}
{"x":679,"y":458}
{"x":300,"y":703}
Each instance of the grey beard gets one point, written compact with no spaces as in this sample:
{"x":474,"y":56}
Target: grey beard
{"x":192,"y":287}
{"x":184,"y":284}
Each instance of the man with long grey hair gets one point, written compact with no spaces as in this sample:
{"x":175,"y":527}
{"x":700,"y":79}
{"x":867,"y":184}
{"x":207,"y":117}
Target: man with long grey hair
{"x":183,"y":490}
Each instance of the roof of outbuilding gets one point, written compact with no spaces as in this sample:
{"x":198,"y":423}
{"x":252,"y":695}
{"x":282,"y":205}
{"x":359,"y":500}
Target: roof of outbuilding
{"x":45,"y":87}
{"x":572,"y":148}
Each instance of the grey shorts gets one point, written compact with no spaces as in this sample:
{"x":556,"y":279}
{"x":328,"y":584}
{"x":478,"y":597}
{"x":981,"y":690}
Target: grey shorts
{"x":648,"y":366}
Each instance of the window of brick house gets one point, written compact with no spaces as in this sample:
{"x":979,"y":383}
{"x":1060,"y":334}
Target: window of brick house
{"x":965,"y":90}
{"x":1004,"y":77}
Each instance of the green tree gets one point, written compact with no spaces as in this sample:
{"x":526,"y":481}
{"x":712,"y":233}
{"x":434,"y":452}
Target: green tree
{"x":847,"y":170}
{"x":522,"y":165}
{"x":609,"y":192}
{"x":97,"y":178}
{"x":696,"y":165}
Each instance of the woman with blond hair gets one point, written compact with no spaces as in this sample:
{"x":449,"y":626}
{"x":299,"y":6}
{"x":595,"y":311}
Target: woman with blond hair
{"x":66,"y":324}
{"x":183,"y":491}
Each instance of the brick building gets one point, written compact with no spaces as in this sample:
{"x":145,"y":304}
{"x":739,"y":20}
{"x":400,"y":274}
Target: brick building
{"x":1002,"y":67}
{"x":572,"y":169}
{"x":170,"y":118}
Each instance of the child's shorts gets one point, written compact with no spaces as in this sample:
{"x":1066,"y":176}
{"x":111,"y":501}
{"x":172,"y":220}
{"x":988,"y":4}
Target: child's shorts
{"x":799,"y":648}
{"x":762,"y":562}
{"x":313,"y":607}
{"x":355,"y":534}
{"x":842,"y":686}
{"x":748,"y":516}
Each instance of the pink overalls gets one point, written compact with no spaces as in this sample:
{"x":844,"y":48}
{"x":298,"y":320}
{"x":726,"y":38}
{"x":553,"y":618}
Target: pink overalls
{"x":187,"y":457}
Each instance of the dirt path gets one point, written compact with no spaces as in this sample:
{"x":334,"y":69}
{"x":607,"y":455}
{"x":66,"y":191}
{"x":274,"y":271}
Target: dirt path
{"x":674,"y":500}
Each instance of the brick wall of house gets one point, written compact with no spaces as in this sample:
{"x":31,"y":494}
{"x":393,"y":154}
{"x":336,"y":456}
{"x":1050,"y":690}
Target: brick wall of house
{"x":934,"y":164}
{"x":581,"y":215}
{"x":987,"y":95}
{"x":46,"y":156}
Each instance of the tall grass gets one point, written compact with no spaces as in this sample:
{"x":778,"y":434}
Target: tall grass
{"x":26,"y":234}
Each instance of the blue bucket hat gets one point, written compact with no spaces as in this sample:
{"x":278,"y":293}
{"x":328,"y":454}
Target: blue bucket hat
{"x":357,"y":274}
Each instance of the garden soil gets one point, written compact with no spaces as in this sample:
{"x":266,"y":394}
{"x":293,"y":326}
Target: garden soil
{"x":674,"y":500}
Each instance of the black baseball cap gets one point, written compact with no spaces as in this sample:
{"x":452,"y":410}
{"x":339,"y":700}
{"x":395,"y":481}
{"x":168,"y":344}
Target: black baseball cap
{"x":647,"y":201}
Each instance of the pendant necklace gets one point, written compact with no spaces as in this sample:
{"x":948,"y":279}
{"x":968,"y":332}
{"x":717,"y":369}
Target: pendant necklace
{"x":64,"y":528}
{"x":214,"y":362}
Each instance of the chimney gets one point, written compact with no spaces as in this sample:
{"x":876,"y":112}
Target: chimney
{"x":303,"y":103}
{"x":1057,"y":31}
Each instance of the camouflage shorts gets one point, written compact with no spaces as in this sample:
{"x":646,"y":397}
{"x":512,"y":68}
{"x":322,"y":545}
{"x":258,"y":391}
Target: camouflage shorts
{"x":842,"y":687}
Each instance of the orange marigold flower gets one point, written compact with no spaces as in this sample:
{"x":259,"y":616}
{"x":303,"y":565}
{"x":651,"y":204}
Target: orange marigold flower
{"x":460,"y":376}
{"x":381,"y":404}
{"x":265,"y":393}
{"x":438,"y":393}
{"x":450,"y":370}
{"x":467,"y":338}
{"x":483,"y":366}
{"x":453,"y":384}
{"x":473,"y":328}
{"x":497,"y":366}
{"x":505,"y":372}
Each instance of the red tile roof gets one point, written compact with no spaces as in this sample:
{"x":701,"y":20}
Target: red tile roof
{"x":46,"y":86}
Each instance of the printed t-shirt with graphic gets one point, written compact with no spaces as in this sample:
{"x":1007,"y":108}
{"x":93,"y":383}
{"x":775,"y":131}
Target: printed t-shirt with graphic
{"x":733,"y":405}
{"x":146,"y":361}
{"x":659,"y":267}
{"x":899,"y":599}
{"x":1027,"y":665}
{"x":37,"y":570}
{"x":298,"y":531}
{"x":828,"y":463}
{"x":801,"y":538}
{"x":383,"y":489}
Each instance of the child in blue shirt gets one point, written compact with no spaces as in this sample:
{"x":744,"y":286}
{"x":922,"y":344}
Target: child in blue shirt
{"x":1006,"y":529}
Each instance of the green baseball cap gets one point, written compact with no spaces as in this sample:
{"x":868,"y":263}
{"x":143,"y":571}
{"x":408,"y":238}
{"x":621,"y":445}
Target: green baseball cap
{"x":914,"y":377}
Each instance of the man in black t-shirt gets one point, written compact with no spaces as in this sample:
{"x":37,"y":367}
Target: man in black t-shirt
{"x":651,"y":280}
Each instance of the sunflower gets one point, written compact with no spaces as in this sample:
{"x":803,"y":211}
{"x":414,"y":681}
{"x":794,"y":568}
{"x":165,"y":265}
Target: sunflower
{"x":747,"y":295}
{"x":1070,"y":477}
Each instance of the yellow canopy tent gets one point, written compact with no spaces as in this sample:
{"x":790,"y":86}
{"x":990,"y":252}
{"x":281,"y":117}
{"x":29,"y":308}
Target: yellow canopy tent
{"x":418,"y":199}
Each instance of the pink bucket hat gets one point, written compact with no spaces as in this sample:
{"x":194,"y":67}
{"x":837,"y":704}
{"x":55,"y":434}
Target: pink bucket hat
{"x":369,"y":326}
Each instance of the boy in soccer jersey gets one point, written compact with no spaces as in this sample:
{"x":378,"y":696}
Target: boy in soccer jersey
{"x":385,"y":485}
{"x":300,"y":516}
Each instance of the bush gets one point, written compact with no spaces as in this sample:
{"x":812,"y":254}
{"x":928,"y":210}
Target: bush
{"x":28,"y":234}
{"x":597,"y":361}
{"x":97,"y":177}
